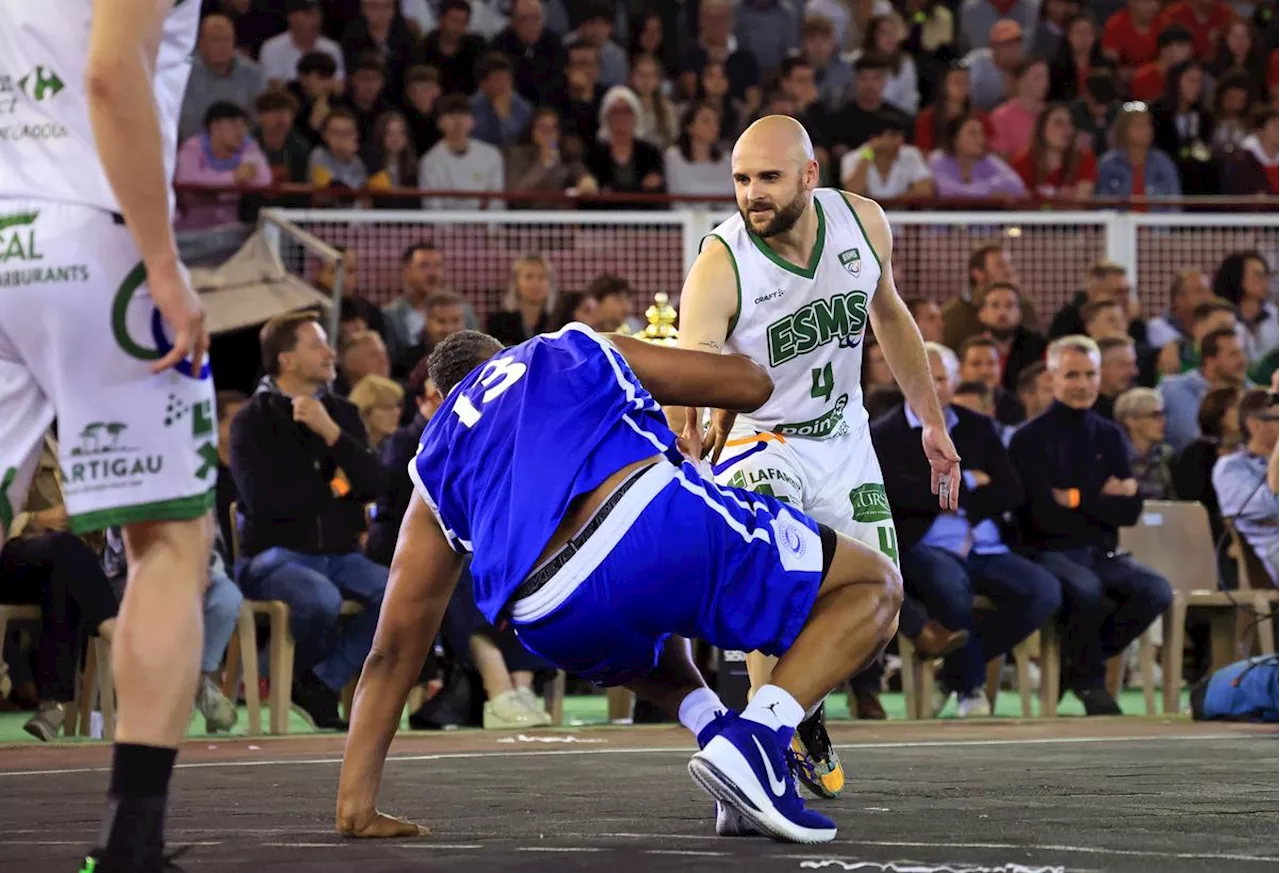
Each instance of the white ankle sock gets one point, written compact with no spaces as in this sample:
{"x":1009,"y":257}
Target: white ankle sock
{"x":774,"y":707}
{"x":699,"y":709}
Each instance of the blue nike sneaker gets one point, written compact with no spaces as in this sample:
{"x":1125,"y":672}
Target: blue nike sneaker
{"x":728,"y":822}
{"x":747,"y":768}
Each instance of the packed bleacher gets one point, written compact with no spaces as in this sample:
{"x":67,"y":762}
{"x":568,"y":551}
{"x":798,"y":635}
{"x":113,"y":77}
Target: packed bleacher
{"x":1083,"y":393}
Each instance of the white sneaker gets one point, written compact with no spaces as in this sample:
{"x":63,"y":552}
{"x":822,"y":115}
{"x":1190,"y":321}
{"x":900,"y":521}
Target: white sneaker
{"x":509,"y":712}
{"x":219,"y":713}
{"x":535,"y":706}
{"x":973,"y":705}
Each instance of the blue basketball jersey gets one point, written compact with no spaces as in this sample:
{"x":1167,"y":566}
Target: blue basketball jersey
{"x":523,"y":435}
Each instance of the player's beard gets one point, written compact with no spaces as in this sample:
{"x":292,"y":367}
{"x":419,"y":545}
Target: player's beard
{"x":784,"y":218}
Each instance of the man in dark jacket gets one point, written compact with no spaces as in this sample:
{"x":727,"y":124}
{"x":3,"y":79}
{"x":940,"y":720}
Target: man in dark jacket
{"x":1080,"y":490}
{"x":1000,"y":313}
{"x":947,"y":557}
{"x":304,"y":472}
{"x":537,"y":53}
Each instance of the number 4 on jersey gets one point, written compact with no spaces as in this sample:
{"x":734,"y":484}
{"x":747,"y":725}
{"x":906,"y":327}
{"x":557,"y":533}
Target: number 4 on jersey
{"x":823,"y":382}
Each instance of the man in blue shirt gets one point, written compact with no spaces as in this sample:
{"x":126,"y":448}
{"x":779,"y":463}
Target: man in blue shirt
{"x":1223,"y":364}
{"x":948,"y":557}
{"x":1080,"y":490}
{"x":1246,"y":479}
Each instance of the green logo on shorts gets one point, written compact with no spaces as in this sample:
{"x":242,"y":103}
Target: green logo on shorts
{"x":202,"y":421}
{"x":6,"y":508}
{"x":101,"y":462}
{"x":100,"y":438}
{"x":870,"y":503}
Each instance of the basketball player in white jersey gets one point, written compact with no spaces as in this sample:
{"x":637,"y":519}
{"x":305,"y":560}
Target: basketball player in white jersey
{"x":792,"y":281}
{"x":99,"y":327}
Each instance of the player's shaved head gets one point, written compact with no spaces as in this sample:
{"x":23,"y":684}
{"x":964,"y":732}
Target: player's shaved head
{"x":774,"y":173}
{"x":457,"y":355}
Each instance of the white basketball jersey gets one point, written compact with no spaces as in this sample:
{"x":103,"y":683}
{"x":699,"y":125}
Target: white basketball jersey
{"x":805,"y":324}
{"x":47,"y":148}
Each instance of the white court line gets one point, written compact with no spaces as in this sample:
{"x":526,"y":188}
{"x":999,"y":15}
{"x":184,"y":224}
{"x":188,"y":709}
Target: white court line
{"x":581,"y":849}
{"x":684,"y":750}
{"x":686,"y":852}
{"x":1075,"y":850}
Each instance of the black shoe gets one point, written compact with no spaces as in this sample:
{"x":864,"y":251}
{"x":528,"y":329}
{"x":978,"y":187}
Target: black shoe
{"x":317,"y":703}
{"x":95,"y":862}
{"x":1098,"y":701}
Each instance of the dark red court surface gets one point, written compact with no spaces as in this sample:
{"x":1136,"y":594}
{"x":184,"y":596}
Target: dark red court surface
{"x":1067,"y":795}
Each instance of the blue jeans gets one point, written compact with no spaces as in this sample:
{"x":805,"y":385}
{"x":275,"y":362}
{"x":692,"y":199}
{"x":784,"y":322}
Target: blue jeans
{"x":314,"y":586}
{"x":222,"y":601}
{"x":1093,"y":630}
{"x":1024,"y":594}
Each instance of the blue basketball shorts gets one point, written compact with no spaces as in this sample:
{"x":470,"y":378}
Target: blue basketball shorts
{"x":675,"y":554}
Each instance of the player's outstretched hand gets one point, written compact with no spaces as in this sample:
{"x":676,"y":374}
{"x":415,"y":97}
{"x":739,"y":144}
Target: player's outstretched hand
{"x":689,"y":442}
{"x":944,"y":467}
{"x":380,"y":826}
{"x":721,"y":423}
{"x":179,"y":305}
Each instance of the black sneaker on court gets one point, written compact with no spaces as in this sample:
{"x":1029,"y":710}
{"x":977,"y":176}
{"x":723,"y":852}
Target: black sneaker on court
{"x":317,"y":703}
{"x":95,"y":862}
{"x":816,"y":764}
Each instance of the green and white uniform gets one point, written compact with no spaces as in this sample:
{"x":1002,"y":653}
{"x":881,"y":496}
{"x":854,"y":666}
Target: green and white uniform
{"x":78,"y":330}
{"x":809,"y":445}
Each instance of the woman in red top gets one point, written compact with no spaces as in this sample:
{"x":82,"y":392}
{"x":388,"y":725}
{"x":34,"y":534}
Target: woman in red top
{"x":951,"y":101}
{"x":1078,"y":55}
{"x":1129,"y":35}
{"x":1055,"y":165}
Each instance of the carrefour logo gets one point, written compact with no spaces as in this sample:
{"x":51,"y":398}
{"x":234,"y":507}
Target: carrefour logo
{"x":40,"y":84}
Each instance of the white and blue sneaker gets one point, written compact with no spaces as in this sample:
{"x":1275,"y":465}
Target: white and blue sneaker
{"x":746,"y":767}
{"x":728,"y":822}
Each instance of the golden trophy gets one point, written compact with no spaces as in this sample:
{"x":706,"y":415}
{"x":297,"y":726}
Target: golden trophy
{"x":662,"y":322}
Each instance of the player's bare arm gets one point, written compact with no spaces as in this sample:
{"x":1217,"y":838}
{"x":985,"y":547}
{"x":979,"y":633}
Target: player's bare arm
{"x":684,"y":377}
{"x":904,"y":353}
{"x":123,"y":44}
{"x":424,"y":573}
{"x":708,"y":305}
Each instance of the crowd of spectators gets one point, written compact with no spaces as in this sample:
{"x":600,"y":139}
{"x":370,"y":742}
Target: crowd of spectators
{"x":974,"y":99}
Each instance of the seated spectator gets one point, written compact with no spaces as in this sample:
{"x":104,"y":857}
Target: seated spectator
{"x":366,"y":94}
{"x":1217,"y":314}
{"x":1094,"y":111}
{"x":715,"y":43}
{"x":421,"y":91}
{"x":1000,"y":313}
{"x":1184,"y":128}
{"x":978,"y":17}
{"x":975,"y":397}
{"x":390,"y":157}
{"x":539,"y":163}
{"x":1233,"y":109}
{"x":451,"y":49}
{"x":884,"y":36}
{"x":1077,"y":56}
{"x":218,"y":75}
{"x":1129,"y":36}
{"x":379,"y":401}
{"x":304,"y":470}
{"x":1133,"y":168}
{"x":799,"y":81}
{"x":948,"y":557}
{"x":1140,"y":411}
{"x":965,"y":167}
{"x":529,"y":301}
{"x":1015,"y":119}
{"x":884,"y":167}
{"x":620,"y":163}
{"x":696,"y":164}
{"x":1239,"y":52}
{"x":951,"y":101}
{"x":382,"y":30}
{"x":649,"y":37}
{"x":712,"y":89}
{"x":337,"y":164}
{"x":1189,"y":289}
{"x":595,"y":28}
{"x":458,"y":162}
{"x":223,"y":156}
{"x":1055,"y":165}
{"x":875,"y":369}
{"x":1244,"y":280}
{"x":446,"y":314}
{"x":1118,"y":372}
{"x":578,"y":97}
{"x":42,"y":563}
{"x":1106,"y":281}
{"x":988,"y":263}
{"x":576,"y":306}
{"x":1222,"y":365}
{"x":1207,"y":20}
{"x":928,"y":318}
{"x":501,"y":114}
{"x":1254,"y":167}
{"x":818,"y":47}
{"x":980,"y":362}
{"x":537,"y":53}
{"x":356,"y":313}
{"x":991,"y":67}
{"x":281,"y":54}
{"x":769,"y":30}
{"x":659,"y":124}
{"x":614,"y":299}
{"x":421,"y":276}
{"x":1035,"y":389}
{"x":868,"y":113}
{"x":1080,"y":489}
{"x":363,"y":354}
{"x":1246,"y":480}
{"x":317,"y":91}
{"x":1103,"y":318}
{"x":285,"y":149}
{"x":1173,"y":45}
{"x":1193,"y":466}
{"x":229,"y":403}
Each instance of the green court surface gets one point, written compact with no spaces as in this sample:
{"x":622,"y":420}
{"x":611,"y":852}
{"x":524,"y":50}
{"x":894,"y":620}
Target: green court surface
{"x":592,"y":709}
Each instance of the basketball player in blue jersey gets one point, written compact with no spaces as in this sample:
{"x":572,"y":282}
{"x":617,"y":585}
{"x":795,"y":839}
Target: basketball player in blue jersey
{"x":552,"y":464}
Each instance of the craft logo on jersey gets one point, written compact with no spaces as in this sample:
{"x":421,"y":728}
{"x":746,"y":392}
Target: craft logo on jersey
{"x":842,"y":317}
{"x":870,"y":503}
{"x":851,"y":261}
